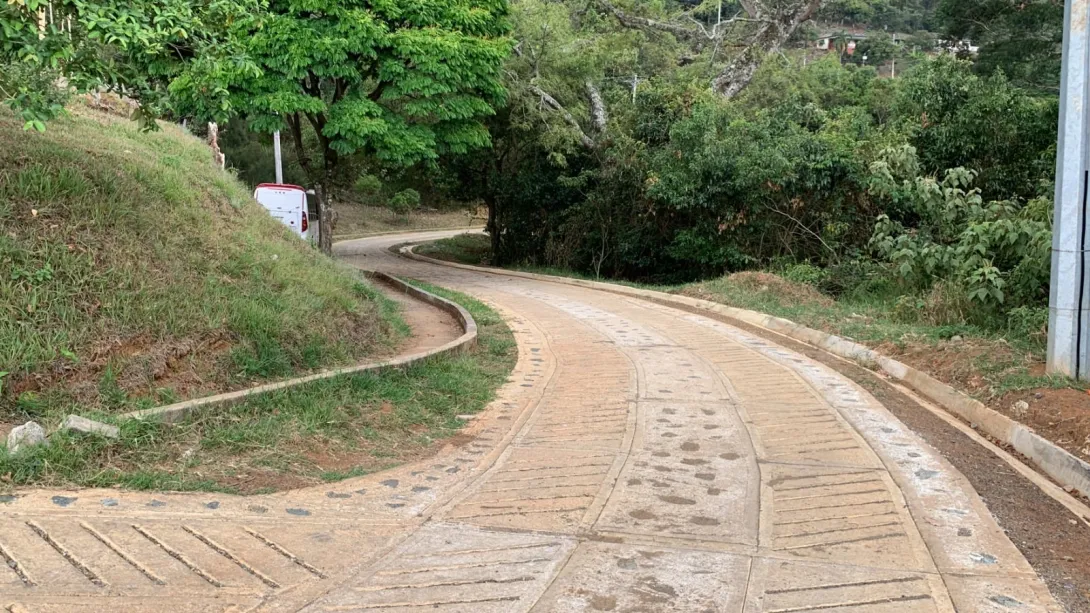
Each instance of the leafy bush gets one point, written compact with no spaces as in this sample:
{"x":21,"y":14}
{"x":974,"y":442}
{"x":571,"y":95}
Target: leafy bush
{"x":404,"y":201}
{"x":956,"y":118}
{"x":995,"y":253}
{"x":367,"y":185}
{"x":805,"y":273}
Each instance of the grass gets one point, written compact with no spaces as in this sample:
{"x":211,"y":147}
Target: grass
{"x":136,"y":272}
{"x":360,"y":220}
{"x":472,"y":249}
{"x":324,"y":431}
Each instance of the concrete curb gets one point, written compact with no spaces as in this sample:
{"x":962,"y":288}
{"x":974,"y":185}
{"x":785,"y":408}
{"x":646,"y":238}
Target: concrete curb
{"x":1056,"y":462}
{"x":176,"y":412}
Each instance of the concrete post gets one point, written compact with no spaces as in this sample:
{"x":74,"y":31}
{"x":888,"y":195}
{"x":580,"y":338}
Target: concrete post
{"x":1068,"y":324}
{"x":276,"y":154}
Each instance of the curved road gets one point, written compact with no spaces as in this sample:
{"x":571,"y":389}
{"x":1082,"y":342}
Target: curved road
{"x":639,"y":459}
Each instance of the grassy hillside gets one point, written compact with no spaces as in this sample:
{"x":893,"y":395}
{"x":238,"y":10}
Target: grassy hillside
{"x":133,"y":272}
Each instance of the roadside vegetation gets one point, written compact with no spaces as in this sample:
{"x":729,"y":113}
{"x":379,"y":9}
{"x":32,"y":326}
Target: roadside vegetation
{"x":320,"y":432}
{"x":136,"y":273}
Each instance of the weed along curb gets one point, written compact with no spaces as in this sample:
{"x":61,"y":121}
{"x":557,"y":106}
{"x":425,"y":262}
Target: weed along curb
{"x":178,"y":411}
{"x":1056,"y":462}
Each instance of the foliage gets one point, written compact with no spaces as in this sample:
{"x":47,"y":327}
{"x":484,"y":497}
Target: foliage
{"x":893,"y":15}
{"x":402,"y":81}
{"x":996,"y":253}
{"x":1023,"y":38}
{"x":367,"y":185}
{"x":140,"y":47}
{"x":404,"y":201}
{"x":878,"y":49}
{"x":956,"y":118}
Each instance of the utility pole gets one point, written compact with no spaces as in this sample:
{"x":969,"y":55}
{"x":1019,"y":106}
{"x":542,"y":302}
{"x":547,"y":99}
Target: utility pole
{"x":635,"y":82}
{"x":276,"y":155}
{"x":1069,"y":302}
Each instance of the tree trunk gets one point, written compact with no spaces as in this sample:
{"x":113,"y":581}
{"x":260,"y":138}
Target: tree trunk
{"x":325,"y":221}
{"x":493,"y":231}
{"x":214,"y":142}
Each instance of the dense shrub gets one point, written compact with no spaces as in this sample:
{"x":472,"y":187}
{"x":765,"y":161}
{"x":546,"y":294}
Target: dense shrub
{"x":995,"y":254}
{"x":835,"y":177}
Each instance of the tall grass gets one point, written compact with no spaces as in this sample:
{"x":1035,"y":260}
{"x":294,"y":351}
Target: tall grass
{"x":130,"y":257}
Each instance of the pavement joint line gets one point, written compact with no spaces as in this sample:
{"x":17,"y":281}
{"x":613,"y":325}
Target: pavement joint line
{"x":832,"y":495}
{"x":16,"y":567}
{"x":223,"y":551}
{"x":177,"y":555}
{"x":852,"y":604}
{"x":417,"y":586}
{"x":524,"y":512}
{"x":823,"y":485}
{"x":837,"y":518}
{"x":432,"y":604}
{"x":831,"y":586}
{"x":849,"y":529}
{"x":838,"y":506}
{"x":463,"y":552}
{"x":432,"y":569}
{"x":78,"y":564}
{"x":121,"y":553}
{"x":284,"y":552}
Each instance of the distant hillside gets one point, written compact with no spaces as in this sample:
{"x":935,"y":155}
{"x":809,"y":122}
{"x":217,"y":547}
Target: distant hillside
{"x":134,"y":272}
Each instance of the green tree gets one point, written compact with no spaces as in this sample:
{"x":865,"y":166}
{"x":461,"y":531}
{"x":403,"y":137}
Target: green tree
{"x":402,"y":81}
{"x":878,"y":48}
{"x":138,"y":47}
{"x":1023,"y":38}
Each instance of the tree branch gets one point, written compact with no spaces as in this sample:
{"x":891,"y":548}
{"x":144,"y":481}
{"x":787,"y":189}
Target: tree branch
{"x":597,"y":108}
{"x":635,"y":21}
{"x":551,"y":102}
{"x":771,"y":35}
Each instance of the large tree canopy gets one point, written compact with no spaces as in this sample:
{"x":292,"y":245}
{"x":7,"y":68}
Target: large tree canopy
{"x":402,"y":81}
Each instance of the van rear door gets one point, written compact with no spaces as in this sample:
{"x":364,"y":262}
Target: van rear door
{"x":287,"y":203}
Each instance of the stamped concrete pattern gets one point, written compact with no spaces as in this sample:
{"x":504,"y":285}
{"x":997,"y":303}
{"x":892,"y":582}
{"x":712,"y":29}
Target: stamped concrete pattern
{"x":639,"y":459}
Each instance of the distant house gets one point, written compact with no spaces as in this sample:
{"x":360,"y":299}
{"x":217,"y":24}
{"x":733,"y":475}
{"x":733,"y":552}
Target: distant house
{"x":851,"y":37}
{"x":959,"y":46}
{"x":827,"y":41}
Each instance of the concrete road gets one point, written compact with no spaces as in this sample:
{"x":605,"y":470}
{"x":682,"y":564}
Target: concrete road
{"x":639,"y":459}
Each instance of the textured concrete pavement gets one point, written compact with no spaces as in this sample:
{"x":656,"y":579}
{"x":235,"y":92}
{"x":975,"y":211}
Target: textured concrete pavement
{"x":639,"y":459}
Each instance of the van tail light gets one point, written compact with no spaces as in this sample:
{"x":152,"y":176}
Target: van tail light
{"x":305,"y":222}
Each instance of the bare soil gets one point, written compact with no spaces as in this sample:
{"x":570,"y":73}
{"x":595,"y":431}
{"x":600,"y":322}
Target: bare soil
{"x":431,"y":327}
{"x":1061,"y":415}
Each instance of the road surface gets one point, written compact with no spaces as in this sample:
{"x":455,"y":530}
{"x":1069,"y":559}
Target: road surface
{"x":640,"y":458}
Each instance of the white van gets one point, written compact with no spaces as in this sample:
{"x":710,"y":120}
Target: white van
{"x":288,"y":203}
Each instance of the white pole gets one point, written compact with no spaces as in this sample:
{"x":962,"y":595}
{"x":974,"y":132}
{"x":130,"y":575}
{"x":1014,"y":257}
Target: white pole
{"x":1069,"y":301}
{"x":276,"y":154}
{"x":893,"y":75}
